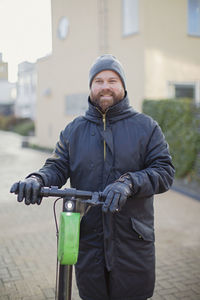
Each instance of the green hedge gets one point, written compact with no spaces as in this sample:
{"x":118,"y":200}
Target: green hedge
{"x":179,"y":121}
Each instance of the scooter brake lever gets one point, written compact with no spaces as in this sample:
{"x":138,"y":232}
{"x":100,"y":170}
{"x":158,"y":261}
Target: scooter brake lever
{"x":95,"y":200}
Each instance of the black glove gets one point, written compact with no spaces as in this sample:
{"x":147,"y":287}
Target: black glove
{"x":116,"y":194}
{"x":28,"y":189}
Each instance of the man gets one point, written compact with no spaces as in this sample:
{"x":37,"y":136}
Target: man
{"x":123,"y":153}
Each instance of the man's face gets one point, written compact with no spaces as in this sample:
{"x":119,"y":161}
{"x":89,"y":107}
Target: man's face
{"x":106,"y":89}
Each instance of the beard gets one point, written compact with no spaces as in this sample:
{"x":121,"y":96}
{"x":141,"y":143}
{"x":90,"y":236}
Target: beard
{"x":105,"y":99}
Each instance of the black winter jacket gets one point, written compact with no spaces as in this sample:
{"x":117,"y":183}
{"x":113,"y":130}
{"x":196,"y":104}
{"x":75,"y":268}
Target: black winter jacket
{"x":93,"y":153}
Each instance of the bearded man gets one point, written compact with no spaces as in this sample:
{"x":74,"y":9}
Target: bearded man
{"x":123,"y":153}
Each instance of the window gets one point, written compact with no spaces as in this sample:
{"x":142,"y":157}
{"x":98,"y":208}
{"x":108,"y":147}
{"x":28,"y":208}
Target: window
{"x":130,"y":19}
{"x":194,"y":17}
{"x":184,"y":91}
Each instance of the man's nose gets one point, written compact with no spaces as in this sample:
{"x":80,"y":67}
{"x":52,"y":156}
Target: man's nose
{"x":105,"y":85}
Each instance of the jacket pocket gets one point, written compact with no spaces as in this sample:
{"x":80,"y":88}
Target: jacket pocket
{"x":144,"y":232}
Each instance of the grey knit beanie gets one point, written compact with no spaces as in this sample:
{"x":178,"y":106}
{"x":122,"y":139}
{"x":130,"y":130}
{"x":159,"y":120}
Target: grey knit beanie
{"x":107,"y":62}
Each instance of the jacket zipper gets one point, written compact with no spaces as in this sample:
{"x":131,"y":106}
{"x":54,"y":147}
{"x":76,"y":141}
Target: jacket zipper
{"x":104,"y":142}
{"x":104,"y":128}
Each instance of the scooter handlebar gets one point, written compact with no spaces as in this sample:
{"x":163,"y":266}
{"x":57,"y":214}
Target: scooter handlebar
{"x":93,"y":198}
{"x":54,"y":191}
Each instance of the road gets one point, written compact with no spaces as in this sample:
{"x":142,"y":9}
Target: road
{"x":28,"y":241}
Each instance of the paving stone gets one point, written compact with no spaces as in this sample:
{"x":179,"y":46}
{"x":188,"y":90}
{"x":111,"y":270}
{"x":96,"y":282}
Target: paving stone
{"x":169,"y":291}
{"x":156,"y":297}
{"x":4,"y":298}
{"x":196,"y":288}
{"x":49,"y":293}
{"x":169,"y":297}
{"x":165,"y":284}
{"x":187,"y":295}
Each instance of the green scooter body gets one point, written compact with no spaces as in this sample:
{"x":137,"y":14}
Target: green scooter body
{"x":68,"y":240}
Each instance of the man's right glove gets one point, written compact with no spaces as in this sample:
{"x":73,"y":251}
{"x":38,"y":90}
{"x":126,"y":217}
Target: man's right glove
{"x":28,"y":189}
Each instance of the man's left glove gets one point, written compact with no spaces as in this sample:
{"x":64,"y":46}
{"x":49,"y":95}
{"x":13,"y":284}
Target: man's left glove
{"x":116,"y":194}
{"x":28,"y":189}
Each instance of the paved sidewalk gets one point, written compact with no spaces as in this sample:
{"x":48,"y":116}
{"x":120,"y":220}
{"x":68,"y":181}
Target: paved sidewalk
{"x":178,"y":247}
{"x":28,"y":242}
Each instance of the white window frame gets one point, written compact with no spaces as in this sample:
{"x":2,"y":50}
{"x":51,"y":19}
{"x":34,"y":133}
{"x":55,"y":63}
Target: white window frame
{"x":194,"y":17}
{"x":130,"y":17}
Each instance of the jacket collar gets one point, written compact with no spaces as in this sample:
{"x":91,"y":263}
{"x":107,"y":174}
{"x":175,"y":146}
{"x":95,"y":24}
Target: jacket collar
{"x":119,"y":111}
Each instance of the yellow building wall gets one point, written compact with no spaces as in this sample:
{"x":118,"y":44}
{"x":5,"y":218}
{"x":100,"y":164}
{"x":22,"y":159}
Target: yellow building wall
{"x":171,"y":55}
{"x":161,"y":52}
{"x":66,"y":70}
{"x":129,"y":50}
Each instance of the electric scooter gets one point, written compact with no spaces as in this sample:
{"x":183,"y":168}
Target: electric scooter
{"x":75,"y":205}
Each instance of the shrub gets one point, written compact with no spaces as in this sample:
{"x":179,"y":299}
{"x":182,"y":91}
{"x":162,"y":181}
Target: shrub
{"x":25,"y":127}
{"x":6,"y":122}
{"x":19,"y":125}
{"x":177,"y":119}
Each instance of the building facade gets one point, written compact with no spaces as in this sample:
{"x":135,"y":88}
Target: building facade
{"x":157,"y":41}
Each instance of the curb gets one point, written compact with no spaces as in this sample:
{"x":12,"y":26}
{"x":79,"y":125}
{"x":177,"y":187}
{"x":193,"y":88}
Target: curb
{"x":186,"y":192}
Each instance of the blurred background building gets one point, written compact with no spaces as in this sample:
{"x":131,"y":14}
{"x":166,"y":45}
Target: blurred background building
{"x":25,"y":104}
{"x":3,"y":69}
{"x":157,"y":41}
{"x":7,"y":90}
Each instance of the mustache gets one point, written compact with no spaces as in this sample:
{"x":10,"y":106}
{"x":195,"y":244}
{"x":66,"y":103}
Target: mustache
{"x":105,"y":93}
{"x":102,"y":93}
